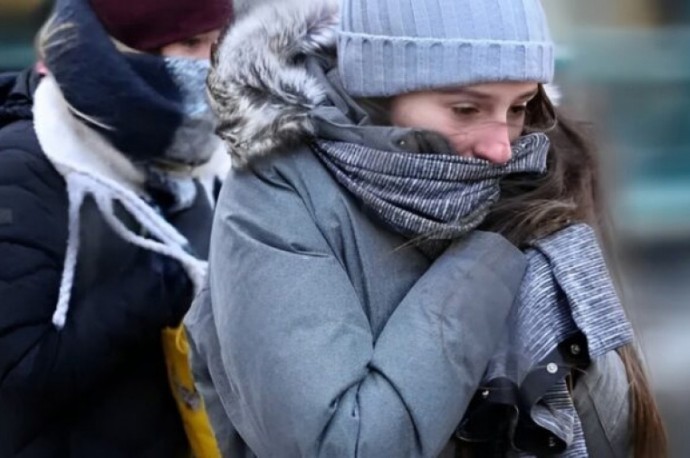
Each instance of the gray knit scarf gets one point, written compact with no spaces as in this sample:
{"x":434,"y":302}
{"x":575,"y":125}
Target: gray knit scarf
{"x":435,"y":196}
{"x":566,"y":314}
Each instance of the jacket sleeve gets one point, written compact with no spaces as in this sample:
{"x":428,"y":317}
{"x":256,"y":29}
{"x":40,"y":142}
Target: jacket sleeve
{"x":38,"y":363}
{"x":202,"y":343}
{"x":602,"y":401}
{"x":306,"y":376}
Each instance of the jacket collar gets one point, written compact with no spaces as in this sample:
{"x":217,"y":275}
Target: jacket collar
{"x":260,"y":86}
{"x":16,"y":95}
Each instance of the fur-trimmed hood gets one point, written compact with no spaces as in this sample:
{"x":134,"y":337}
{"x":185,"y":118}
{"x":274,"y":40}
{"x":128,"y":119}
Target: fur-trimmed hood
{"x":259,"y":86}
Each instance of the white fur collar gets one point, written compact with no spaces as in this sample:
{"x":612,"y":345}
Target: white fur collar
{"x":259,"y":86}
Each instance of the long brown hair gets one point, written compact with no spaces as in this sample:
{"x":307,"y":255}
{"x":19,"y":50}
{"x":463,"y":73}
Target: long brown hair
{"x":535,"y":207}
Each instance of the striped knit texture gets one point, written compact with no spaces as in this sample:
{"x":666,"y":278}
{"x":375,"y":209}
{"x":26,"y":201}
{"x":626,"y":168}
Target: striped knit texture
{"x":434,"y":196}
{"x":388,"y":47}
{"x":566,"y":290}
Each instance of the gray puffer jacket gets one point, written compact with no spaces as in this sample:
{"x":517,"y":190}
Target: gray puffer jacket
{"x":321,"y":332}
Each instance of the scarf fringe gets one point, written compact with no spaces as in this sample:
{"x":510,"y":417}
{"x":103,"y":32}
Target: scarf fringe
{"x":105,"y":192}
{"x":76,"y":194}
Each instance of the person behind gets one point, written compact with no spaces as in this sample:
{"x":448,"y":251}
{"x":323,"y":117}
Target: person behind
{"x":108,"y":165}
{"x":404,"y":259}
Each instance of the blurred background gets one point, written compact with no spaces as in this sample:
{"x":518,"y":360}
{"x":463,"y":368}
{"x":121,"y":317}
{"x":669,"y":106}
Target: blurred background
{"x":19,"y":21}
{"x":624,"y":65}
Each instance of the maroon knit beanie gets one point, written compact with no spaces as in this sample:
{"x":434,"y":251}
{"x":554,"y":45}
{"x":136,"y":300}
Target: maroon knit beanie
{"x":147,"y":25}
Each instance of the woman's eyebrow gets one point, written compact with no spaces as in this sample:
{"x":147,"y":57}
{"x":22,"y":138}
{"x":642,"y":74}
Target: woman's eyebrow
{"x":529,"y":95}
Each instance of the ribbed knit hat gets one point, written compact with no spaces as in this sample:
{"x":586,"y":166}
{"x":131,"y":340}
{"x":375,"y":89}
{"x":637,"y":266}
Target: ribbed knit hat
{"x":388,"y":47}
{"x":148,"y":25}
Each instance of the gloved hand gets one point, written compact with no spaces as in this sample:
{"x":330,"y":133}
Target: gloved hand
{"x":155,"y":288}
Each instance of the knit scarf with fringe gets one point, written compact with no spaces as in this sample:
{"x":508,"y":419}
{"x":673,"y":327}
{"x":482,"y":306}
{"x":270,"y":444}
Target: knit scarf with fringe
{"x":151,"y":108}
{"x":91,"y":166}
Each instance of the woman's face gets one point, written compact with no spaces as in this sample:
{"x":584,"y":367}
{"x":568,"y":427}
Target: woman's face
{"x":196,"y":47}
{"x":479,"y":121}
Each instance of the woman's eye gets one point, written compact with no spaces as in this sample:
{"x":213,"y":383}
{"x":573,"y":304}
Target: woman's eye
{"x":518,"y":110}
{"x":465,"y":110}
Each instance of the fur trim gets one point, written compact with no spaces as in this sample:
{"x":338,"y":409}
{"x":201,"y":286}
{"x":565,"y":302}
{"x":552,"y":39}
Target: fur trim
{"x":243,"y":7}
{"x":259,"y":86}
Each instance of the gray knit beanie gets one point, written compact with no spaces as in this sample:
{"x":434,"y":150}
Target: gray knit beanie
{"x":388,"y":47}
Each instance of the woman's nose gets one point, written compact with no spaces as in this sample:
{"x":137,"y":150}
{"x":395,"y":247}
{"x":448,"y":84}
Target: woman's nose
{"x":493,"y":143}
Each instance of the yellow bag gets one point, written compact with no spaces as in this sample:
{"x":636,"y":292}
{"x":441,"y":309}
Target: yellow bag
{"x":189,"y":402}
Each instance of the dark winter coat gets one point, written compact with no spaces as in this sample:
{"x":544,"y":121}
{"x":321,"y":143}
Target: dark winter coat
{"x":98,"y":387}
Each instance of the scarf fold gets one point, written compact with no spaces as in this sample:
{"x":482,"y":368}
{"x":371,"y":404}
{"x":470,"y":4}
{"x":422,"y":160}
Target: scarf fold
{"x":566,"y":312}
{"x":436,"y":196}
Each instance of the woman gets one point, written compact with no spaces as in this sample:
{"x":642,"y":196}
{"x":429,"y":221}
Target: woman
{"x":107,"y":168}
{"x":361,"y":301}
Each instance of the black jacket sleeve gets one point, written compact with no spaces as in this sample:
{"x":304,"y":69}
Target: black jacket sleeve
{"x":106,"y":322}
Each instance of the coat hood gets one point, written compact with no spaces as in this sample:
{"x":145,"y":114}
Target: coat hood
{"x":260,"y":86}
{"x":16,"y":96}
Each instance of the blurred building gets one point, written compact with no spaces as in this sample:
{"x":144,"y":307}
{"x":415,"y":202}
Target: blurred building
{"x":19,"y":21}
{"x":625,"y":65}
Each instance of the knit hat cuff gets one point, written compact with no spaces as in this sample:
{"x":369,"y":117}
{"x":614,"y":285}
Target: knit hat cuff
{"x":147,"y":25}
{"x":379,"y":66}
{"x":183,"y":30}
